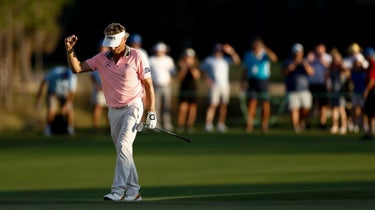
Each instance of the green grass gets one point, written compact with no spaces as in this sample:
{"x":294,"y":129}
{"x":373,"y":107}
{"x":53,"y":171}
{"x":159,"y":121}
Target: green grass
{"x":277,"y":170}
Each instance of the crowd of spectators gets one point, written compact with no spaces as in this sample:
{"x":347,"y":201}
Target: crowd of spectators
{"x":335,"y":89}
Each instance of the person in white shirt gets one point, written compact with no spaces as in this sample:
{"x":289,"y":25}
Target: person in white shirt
{"x":163,"y":70}
{"x":216,"y":71}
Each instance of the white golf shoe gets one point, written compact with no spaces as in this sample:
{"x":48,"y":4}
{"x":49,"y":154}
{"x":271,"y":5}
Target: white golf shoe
{"x":114,"y":196}
{"x":135,"y":197}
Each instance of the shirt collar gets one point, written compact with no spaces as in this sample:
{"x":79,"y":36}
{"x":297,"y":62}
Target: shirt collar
{"x":109,"y":54}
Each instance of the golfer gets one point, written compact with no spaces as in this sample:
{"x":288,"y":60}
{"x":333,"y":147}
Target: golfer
{"x":126,"y":77}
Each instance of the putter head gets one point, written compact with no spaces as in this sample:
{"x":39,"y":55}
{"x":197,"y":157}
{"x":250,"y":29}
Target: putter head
{"x":140,"y":127}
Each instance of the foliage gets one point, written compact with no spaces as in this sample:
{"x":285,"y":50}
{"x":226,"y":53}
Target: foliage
{"x":27,"y":29}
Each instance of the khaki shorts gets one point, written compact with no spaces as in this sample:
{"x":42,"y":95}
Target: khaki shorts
{"x":219,"y":94}
{"x":300,"y":99}
{"x":54,"y":102}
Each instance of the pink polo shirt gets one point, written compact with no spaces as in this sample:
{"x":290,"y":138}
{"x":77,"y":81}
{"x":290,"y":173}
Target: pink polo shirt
{"x":121,"y":81}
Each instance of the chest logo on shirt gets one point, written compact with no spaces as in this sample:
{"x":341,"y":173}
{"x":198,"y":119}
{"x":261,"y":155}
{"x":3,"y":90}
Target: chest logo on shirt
{"x":108,"y":65}
{"x":147,"y":70}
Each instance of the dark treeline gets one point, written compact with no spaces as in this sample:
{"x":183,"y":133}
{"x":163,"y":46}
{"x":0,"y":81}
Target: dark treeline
{"x":199,"y":24}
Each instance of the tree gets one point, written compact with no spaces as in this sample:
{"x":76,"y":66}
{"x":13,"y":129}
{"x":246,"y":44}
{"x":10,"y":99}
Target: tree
{"x":28,"y":29}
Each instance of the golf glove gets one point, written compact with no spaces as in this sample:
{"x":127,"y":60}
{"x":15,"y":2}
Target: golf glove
{"x":151,"y":120}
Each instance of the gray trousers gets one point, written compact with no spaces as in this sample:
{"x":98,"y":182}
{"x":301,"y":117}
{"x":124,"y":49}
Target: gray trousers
{"x":123,"y":124}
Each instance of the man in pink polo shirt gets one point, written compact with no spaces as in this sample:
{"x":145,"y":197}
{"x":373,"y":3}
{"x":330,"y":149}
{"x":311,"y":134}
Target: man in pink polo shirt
{"x":126,"y":76}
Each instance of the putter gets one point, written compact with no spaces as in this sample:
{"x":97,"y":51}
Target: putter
{"x":141,"y":126}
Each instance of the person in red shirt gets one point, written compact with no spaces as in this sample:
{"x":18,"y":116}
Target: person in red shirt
{"x":369,"y":94}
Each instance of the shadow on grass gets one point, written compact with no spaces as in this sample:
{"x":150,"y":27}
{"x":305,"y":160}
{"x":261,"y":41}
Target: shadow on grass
{"x":230,"y":193}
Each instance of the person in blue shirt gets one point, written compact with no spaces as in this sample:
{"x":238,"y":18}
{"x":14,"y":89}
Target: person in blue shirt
{"x":97,"y":95}
{"x":61,"y":85}
{"x":255,"y":79}
{"x":135,"y":40}
{"x":320,"y":60}
{"x":297,"y":71}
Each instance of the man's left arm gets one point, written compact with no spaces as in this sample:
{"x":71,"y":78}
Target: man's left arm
{"x":150,"y":98}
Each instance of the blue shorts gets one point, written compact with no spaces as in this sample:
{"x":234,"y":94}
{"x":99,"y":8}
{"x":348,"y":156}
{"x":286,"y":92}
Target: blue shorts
{"x":258,"y":89}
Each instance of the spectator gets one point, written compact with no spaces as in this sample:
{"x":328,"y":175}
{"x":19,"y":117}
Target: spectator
{"x":358,"y":65}
{"x":337,"y":75}
{"x":97,"y":99}
{"x":369,"y":94}
{"x":188,"y":76}
{"x":135,"y":40}
{"x":163,"y":70}
{"x":256,"y":74}
{"x":61,"y":86}
{"x":297,"y":71}
{"x":320,"y":60}
{"x":216,"y":70}
{"x":97,"y":96}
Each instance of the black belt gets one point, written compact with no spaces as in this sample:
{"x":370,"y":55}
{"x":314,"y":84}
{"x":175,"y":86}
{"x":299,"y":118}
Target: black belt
{"x":129,"y":104}
{"x":120,"y":107}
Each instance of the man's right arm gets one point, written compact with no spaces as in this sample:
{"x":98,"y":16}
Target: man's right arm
{"x":76,"y":65}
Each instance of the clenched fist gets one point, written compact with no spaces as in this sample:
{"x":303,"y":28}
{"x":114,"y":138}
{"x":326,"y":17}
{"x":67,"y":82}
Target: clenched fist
{"x":70,"y":41}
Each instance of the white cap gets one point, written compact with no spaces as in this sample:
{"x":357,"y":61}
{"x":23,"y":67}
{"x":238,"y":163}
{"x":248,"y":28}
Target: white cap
{"x":297,"y":47}
{"x":113,"y":40}
{"x":161,"y":46}
{"x":189,"y":52}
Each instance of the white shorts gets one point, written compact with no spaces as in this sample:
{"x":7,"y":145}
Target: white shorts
{"x":97,"y":98}
{"x":219,"y":93}
{"x":300,"y":99}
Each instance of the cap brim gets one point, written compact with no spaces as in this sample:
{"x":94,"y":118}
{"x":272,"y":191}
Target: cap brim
{"x":113,"y":40}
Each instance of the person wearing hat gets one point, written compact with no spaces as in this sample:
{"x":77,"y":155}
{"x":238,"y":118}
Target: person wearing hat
{"x":255,"y":79}
{"x":297,"y":71}
{"x":369,"y":94}
{"x":135,"y":40}
{"x":163,"y":71}
{"x":188,"y":76}
{"x":215,"y":68}
{"x":126,"y":76}
{"x":357,"y":64}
